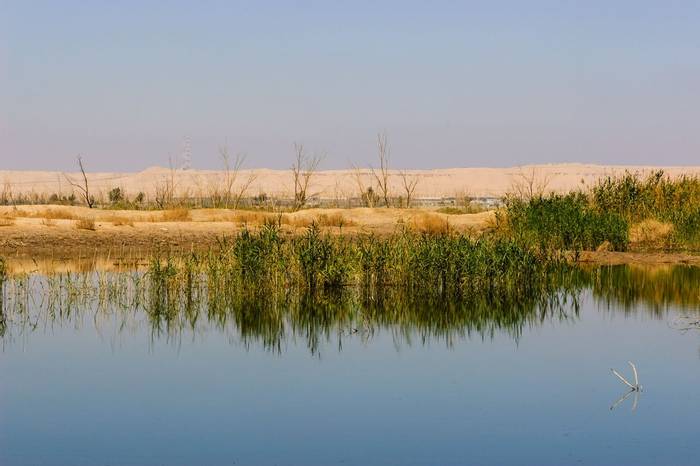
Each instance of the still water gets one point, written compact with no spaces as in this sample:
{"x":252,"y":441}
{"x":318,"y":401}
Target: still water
{"x":93,"y":388}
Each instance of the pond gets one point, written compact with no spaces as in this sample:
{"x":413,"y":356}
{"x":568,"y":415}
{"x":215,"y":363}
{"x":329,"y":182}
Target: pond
{"x":354,"y":379}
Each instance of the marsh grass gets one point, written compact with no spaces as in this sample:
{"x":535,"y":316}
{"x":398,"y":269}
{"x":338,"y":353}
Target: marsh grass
{"x":655,"y":197}
{"x":563,"y":222}
{"x":652,"y":212}
{"x":449,"y":265}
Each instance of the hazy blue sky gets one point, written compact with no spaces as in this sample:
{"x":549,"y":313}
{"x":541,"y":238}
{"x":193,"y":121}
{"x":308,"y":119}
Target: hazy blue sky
{"x":453,"y":83}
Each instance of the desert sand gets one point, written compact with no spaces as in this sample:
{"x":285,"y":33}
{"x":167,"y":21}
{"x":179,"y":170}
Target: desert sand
{"x":330,"y":184}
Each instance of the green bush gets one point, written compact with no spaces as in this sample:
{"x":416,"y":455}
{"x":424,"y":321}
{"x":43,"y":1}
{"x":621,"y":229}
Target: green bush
{"x":565,"y":222}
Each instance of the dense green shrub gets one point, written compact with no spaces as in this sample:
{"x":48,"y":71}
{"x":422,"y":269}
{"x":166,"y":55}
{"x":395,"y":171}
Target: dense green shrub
{"x":565,"y":222}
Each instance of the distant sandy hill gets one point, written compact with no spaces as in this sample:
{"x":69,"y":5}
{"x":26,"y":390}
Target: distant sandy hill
{"x":477,"y":182}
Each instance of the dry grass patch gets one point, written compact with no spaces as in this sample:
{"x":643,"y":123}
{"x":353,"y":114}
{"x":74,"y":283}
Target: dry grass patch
{"x":52,"y":214}
{"x":119,"y":221}
{"x":333,"y":220}
{"x":651,"y":234}
{"x":173,"y":215}
{"x":295,"y":221}
{"x":85,"y":224}
{"x":7,"y":221}
{"x":48,"y":222}
{"x":430,"y":223}
{"x":252,"y":218}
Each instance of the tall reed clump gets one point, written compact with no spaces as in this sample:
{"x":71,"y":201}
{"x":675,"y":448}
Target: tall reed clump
{"x":656,"y":196}
{"x":559,"y":221}
{"x":264,"y":262}
{"x":606,"y":213}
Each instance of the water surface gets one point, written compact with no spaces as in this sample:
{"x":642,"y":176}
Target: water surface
{"x":100,"y":385}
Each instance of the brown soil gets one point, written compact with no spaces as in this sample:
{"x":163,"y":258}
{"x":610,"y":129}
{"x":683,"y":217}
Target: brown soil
{"x":56,"y":233}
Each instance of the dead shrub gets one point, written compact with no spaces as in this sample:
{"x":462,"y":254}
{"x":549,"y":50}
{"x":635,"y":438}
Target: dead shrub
{"x":85,"y":224}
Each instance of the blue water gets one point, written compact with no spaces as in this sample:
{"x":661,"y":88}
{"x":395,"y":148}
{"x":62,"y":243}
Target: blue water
{"x":83,"y":391}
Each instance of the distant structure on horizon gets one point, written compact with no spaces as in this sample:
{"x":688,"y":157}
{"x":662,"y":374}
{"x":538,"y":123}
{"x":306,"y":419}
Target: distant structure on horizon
{"x":186,"y":156}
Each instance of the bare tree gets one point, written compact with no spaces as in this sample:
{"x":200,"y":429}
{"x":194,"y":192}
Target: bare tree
{"x":409,"y":183}
{"x":232,"y":169}
{"x":83,"y":188}
{"x":165,"y":189}
{"x":530,"y":184}
{"x":366,"y":194}
{"x":304,"y":167}
{"x":382,"y":174}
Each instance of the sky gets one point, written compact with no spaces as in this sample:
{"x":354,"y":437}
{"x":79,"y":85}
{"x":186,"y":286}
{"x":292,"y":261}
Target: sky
{"x":451,"y":83}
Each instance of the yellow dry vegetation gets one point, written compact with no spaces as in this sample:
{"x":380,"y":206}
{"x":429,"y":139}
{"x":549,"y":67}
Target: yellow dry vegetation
{"x":85,"y":223}
{"x":431,"y":223}
{"x":651,"y":234}
{"x":172,"y":215}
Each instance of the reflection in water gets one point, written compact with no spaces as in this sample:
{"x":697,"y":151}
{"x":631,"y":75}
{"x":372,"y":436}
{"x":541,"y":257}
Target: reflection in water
{"x":258,"y":314}
{"x":627,"y":394}
{"x":656,"y":288}
{"x":145,"y":369}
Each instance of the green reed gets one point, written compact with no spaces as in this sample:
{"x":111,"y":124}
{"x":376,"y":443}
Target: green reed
{"x":605,"y":213}
{"x":445,"y":265}
{"x":567,"y":221}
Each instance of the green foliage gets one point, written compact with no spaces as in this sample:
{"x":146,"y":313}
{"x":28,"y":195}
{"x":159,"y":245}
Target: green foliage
{"x":324,"y":261}
{"x":659,"y":197}
{"x":116,"y":195}
{"x":565,"y":222}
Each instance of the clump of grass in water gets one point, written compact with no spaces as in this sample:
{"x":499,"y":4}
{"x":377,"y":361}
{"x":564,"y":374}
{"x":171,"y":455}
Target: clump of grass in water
{"x":261,"y":278}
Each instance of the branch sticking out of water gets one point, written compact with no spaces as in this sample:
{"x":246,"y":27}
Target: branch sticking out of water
{"x":635,"y":386}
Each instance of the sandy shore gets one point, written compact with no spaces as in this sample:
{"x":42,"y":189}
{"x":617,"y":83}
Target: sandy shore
{"x":51,"y":231}
{"x":48,"y":238}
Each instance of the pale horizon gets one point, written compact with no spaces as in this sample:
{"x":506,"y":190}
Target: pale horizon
{"x":452,"y":85}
